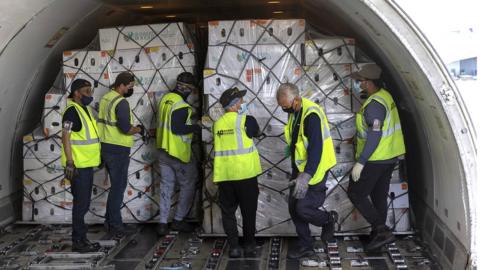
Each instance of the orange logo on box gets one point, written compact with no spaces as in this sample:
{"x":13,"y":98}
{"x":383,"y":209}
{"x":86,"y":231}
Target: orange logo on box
{"x":249,"y":75}
{"x":260,"y":22}
{"x":48,"y":97}
{"x":105,"y":76}
{"x":404,"y":186}
{"x":298,"y":71}
{"x":104,"y":53}
{"x":67,"y":53}
{"x":213,"y":23}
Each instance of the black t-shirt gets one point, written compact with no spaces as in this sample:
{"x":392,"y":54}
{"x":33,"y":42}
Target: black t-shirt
{"x":71,"y":115}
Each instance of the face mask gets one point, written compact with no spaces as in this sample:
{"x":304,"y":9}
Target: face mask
{"x":86,"y":100}
{"x":243,"y":108}
{"x":129,"y":93}
{"x":356,"y":87}
{"x":289,"y":110}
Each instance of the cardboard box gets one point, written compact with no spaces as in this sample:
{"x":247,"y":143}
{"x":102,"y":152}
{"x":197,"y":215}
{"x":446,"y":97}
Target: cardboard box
{"x":53,"y":190}
{"x":36,"y":146}
{"x":232,"y":59}
{"x":47,"y":212}
{"x":54,"y":105}
{"x":399,"y":219}
{"x":400,"y":194}
{"x":130,"y":60}
{"x":244,"y":32}
{"x":141,"y":36}
{"x":330,"y":50}
{"x":87,"y":61}
{"x":172,"y":56}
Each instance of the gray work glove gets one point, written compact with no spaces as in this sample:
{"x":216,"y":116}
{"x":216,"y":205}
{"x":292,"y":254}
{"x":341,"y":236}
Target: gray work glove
{"x":301,"y":185}
{"x":70,"y":170}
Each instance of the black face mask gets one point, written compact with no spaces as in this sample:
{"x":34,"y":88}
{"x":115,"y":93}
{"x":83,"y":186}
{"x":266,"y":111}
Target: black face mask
{"x":289,"y":110}
{"x":129,"y":93}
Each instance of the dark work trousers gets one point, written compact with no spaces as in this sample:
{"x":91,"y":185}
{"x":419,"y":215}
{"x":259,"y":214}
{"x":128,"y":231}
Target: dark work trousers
{"x":243,"y":193}
{"x":307,"y":211}
{"x":117,"y":167}
{"x":374,"y":182}
{"x":82,"y":193}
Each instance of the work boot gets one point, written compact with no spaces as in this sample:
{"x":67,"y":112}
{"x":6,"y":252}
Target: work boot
{"x":250,"y":250}
{"x":301,"y":252}
{"x":94,"y":244}
{"x":162,"y":229}
{"x":235,"y":252}
{"x":328,"y":229}
{"x":182,"y":226}
{"x":121,"y":231}
{"x":83,"y":246}
{"x":382,"y":237}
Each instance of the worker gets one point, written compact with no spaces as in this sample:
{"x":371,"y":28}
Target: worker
{"x":236,"y":165}
{"x":311,"y":150}
{"x":80,"y":154}
{"x":379,"y":144}
{"x":116,"y":130}
{"x":175,"y":162}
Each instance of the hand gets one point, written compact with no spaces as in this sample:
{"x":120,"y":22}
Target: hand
{"x":142,"y":130}
{"x":70,"y":170}
{"x":357,"y":171}
{"x":301,"y":185}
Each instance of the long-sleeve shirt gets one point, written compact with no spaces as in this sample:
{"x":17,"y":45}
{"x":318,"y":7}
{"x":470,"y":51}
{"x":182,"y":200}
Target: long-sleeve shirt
{"x":313,"y":132}
{"x":374,"y":115}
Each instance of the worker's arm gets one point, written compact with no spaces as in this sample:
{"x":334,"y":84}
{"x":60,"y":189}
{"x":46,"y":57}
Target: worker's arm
{"x":313,"y":132}
{"x":123,"y":119}
{"x":251,"y":127}
{"x":374,"y":115}
{"x":67,"y":147}
{"x":179,"y":123}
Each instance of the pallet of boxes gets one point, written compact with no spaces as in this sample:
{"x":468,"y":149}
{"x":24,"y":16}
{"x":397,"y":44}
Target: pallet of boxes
{"x":259,"y":55}
{"x":155,"y":54}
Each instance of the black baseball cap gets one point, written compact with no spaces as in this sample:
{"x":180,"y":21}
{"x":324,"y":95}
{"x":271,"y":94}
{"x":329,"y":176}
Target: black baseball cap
{"x":78,"y":84}
{"x":230,"y":94}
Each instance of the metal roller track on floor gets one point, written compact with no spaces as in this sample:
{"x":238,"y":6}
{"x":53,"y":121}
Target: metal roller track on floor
{"x":49,"y":247}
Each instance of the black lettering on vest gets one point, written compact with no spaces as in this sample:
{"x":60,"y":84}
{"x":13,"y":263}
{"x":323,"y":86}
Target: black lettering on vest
{"x":225,"y":132}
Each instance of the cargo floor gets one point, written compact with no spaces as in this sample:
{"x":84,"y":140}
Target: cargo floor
{"x":49,"y":247}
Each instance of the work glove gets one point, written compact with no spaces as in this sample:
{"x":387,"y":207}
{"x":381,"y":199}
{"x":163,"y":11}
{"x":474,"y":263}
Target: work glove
{"x":357,"y":171}
{"x":301,"y":185}
{"x":70,"y":170}
{"x":142,"y":130}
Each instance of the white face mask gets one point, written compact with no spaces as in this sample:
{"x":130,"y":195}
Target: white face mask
{"x":243,"y":108}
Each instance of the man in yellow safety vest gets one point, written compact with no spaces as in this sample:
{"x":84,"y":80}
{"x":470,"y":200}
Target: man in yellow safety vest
{"x":379,"y":144}
{"x":116,"y":130}
{"x":311,"y":150}
{"x":236,"y":165}
{"x":176,"y":163}
{"x":80,"y":154}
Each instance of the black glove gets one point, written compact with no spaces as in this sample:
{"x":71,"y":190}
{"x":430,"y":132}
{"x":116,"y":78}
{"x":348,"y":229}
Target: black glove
{"x":142,"y":130}
{"x":70,"y":170}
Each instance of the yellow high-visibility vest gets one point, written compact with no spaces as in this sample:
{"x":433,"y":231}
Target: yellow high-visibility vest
{"x":328,"y":159}
{"x":107,"y":121}
{"x":178,"y":146}
{"x":235,"y":154}
{"x":84,"y":143}
{"x":391,"y":144}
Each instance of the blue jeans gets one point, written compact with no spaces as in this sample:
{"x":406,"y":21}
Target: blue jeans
{"x":117,"y":168}
{"x":82,"y":192}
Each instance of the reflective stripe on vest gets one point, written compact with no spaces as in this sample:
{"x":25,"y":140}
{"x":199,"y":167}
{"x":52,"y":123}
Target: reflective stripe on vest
{"x":85,"y":144}
{"x":240,"y":150}
{"x":109,"y":131}
{"x":235,"y":155}
{"x":328,"y":159}
{"x":391,"y":143}
{"x":178,"y":146}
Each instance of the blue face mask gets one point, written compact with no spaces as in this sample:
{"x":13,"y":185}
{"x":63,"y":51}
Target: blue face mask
{"x":243,"y":108}
{"x":356,"y":87}
{"x":86,"y":100}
